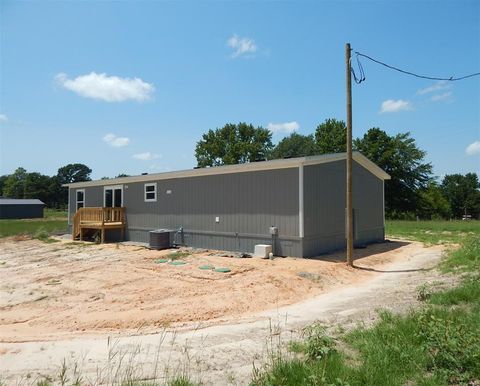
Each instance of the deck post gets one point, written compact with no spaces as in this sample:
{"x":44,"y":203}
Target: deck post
{"x":101,"y":218}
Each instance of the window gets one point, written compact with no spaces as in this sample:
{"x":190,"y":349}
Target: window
{"x":113,"y":196}
{"x":80,"y":198}
{"x":150,"y":192}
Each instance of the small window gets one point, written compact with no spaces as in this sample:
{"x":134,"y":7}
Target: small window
{"x":80,"y":198}
{"x":150,"y":192}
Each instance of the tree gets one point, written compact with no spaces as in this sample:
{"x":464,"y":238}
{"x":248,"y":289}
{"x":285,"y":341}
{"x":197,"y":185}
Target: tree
{"x":400,"y":157}
{"x":58,"y":194}
{"x":233,"y":144}
{"x":3,"y":179}
{"x":432,"y":203}
{"x":330,"y":137}
{"x":463,"y":193}
{"x":37,"y":186}
{"x":74,"y":173}
{"x":295,"y":145}
{"x":66,"y":175}
{"x":15,"y":184}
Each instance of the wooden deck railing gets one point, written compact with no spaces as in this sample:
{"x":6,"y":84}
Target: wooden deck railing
{"x":97,"y":218}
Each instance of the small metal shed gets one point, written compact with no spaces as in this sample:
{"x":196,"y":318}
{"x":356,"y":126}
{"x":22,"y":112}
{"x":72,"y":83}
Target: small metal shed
{"x":11,"y":208}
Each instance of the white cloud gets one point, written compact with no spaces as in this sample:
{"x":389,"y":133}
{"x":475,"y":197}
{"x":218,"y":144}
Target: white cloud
{"x":3,"y":118}
{"x":441,"y":97}
{"x":393,"y":106}
{"x":107,"y":88}
{"x":114,"y":141}
{"x":473,"y":148}
{"x":441,"y":85}
{"x":147,"y":156}
{"x":242,"y":46}
{"x":285,"y":127}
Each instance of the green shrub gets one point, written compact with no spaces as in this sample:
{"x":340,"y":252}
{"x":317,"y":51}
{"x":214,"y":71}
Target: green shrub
{"x":41,"y":234}
{"x":317,"y":343}
{"x":424,"y":292}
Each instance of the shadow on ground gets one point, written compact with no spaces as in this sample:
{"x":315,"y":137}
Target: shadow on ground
{"x":363,"y":252}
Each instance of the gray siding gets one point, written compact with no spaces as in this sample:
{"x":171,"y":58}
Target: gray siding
{"x":324,"y":207}
{"x":93,"y":197}
{"x":247,"y":204}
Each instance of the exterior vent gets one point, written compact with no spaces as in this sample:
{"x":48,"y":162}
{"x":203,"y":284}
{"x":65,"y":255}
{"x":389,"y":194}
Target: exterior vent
{"x":160,"y":239}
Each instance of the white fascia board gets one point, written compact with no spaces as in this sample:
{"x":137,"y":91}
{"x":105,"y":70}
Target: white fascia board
{"x":240,"y":168}
{"x":371,"y":166}
{"x":357,"y":156}
{"x":227,"y":169}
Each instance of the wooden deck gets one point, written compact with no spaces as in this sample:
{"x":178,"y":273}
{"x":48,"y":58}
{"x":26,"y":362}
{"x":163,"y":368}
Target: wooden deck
{"x":98,"y":218}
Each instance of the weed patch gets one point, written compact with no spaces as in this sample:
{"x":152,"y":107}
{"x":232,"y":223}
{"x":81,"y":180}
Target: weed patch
{"x":42,"y":235}
{"x":465,"y":259}
{"x":177,"y":255}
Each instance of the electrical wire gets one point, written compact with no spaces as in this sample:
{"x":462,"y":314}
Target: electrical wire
{"x":362,"y":74}
{"x":360,"y":78}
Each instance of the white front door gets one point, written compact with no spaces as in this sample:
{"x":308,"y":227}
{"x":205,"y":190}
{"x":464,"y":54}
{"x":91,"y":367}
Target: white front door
{"x":113,"y":196}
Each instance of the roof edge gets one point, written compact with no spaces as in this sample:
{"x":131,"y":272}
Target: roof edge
{"x":239,"y":168}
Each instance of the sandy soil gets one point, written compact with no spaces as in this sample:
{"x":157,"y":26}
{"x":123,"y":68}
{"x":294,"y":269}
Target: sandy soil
{"x":55,"y":290}
{"x":84,"y":303}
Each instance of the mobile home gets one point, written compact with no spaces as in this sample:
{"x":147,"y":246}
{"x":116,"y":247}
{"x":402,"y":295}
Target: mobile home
{"x":296,"y":204}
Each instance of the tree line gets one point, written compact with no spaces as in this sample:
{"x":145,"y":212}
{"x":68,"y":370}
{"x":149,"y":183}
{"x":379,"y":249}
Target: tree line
{"x":22,"y":184}
{"x":413,"y":191}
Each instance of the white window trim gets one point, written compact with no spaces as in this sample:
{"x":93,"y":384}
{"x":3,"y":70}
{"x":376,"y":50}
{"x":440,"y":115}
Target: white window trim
{"x":154,"y":184}
{"x":76,"y":198}
{"x":113,"y":187}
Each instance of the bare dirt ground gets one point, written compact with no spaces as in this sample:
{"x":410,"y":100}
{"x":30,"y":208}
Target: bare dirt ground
{"x":99,"y":304}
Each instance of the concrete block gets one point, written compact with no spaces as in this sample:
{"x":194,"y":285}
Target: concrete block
{"x":262,"y":250}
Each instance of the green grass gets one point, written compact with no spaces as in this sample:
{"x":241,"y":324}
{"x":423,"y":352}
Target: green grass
{"x":54,"y":221}
{"x":55,"y":213}
{"x":439,"y":344}
{"x":433,"y":232}
{"x":177,"y":255}
{"x":468,"y":292}
{"x":465,"y":259}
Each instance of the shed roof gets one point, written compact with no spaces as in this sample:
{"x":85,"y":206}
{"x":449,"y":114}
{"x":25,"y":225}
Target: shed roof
{"x":19,"y":201}
{"x":239,"y":168}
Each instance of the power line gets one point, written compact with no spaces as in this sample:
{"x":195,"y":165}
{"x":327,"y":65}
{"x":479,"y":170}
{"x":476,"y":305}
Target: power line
{"x":361,"y":78}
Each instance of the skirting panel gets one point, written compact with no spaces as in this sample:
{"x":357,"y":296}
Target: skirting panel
{"x":240,"y":243}
{"x":321,"y":244}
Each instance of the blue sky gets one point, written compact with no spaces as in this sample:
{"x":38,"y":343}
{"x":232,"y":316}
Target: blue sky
{"x":130,"y":87}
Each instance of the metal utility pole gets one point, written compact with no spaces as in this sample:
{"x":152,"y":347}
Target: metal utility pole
{"x":349,"y":211}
